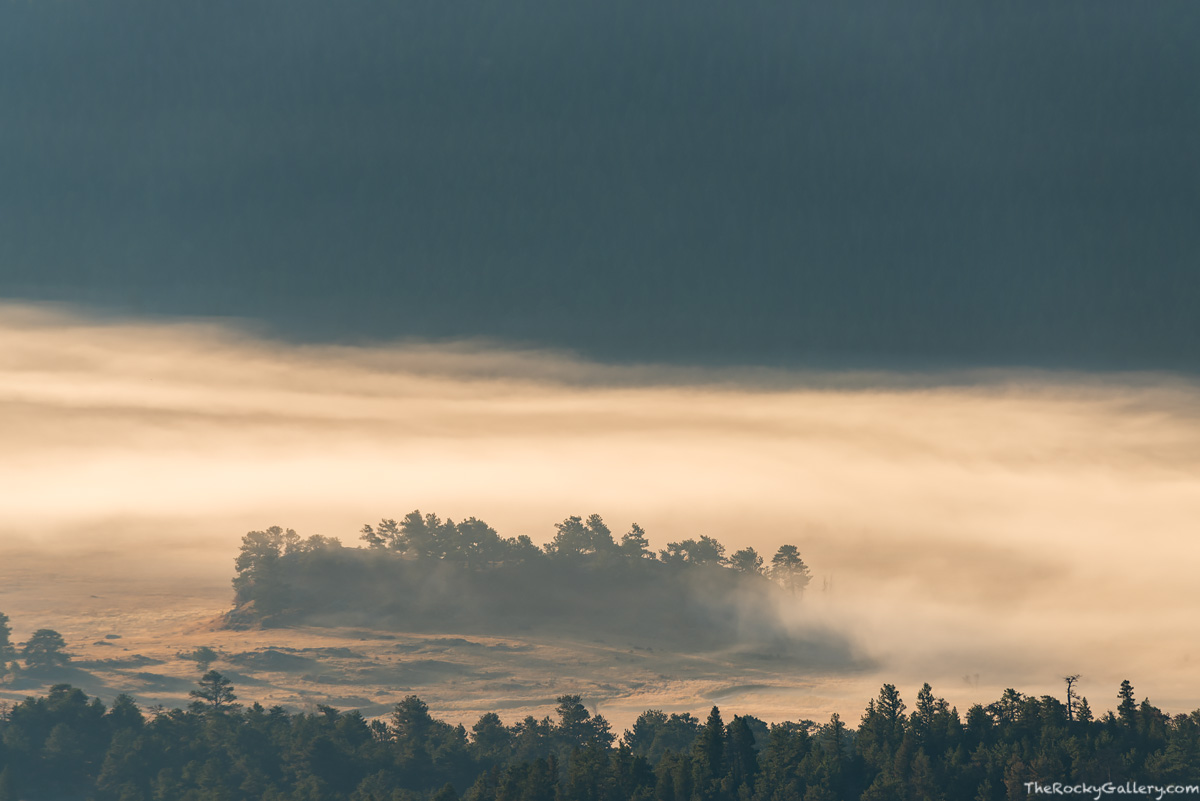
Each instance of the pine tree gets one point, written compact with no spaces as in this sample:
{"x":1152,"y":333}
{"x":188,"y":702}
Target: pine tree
{"x":882,"y":728}
{"x":1128,"y":707}
{"x":741,"y":755}
{"x":45,"y":649}
{"x":789,"y":569}
{"x":8,"y":652}
{"x":635,"y":545}
{"x":216,"y":691}
{"x":1083,"y":712}
{"x":708,"y":756}
{"x":747,"y":560}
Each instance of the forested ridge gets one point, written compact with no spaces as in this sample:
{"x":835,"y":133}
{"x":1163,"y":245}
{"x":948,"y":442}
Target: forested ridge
{"x":426,"y":573}
{"x":67,"y":747}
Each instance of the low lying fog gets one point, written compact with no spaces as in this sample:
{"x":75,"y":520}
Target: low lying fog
{"x":977,"y":530}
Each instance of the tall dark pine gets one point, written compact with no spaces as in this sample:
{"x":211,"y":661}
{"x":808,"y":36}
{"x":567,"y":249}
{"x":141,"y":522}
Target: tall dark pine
{"x":741,"y":755}
{"x":7,"y":652}
{"x":708,"y":757}
{"x":216,"y":691}
{"x":1127,"y":709}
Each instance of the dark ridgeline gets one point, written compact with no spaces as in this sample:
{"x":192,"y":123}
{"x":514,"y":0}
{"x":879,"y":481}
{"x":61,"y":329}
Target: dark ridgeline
{"x":65,"y":746}
{"x":427,"y":574}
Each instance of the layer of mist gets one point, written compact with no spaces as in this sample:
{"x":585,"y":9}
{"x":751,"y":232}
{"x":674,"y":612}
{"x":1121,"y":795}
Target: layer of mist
{"x":977,"y":530}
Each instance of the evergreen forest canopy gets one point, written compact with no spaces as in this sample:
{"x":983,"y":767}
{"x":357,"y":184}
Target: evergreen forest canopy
{"x":65,"y":747}
{"x":425,"y":573}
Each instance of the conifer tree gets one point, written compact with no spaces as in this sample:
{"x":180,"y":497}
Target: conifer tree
{"x":1128,"y":706}
{"x":45,"y":649}
{"x":8,"y":652}
{"x":216,"y":691}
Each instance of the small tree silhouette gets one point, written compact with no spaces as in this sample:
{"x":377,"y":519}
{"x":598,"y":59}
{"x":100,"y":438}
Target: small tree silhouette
{"x":45,"y":649}
{"x":216,"y":691}
{"x":747,"y":560}
{"x":789,"y":569}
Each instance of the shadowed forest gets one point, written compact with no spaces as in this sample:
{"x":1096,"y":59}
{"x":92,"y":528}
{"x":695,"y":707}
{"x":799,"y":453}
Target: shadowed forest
{"x":427,"y":574}
{"x":64,"y":746}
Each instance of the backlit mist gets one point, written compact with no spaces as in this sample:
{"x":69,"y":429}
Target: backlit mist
{"x":974,"y":530}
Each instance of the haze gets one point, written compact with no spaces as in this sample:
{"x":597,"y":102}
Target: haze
{"x":976,"y":530}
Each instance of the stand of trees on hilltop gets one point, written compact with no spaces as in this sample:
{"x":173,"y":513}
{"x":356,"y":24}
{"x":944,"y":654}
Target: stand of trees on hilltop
{"x":65,"y":746}
{"x":474,"y":544}
{"x":425,"y":572}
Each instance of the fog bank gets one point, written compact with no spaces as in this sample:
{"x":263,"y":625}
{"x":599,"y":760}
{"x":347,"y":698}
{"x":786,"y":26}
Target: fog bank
{"x":988,"y":530}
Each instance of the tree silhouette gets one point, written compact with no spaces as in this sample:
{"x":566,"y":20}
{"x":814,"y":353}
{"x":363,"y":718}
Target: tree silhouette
{"x":45,"y":649}
{"x":747,"y":560}
{"x":478,"y":543}
{"x":1083,"y":711}
{"x":491,"y":742}
{"x":8,"y":652}
{"x":600,"y":538}
{"x":571,"y":538}
{"x":740,"y":753}
{"x":411,"y":719}
{"x":258,"y":571}
{"x":704,"y":551}
{"x":387,"y":536}
{"x":1071,"y":696}
{"x":789,"y":569}
{"x":420,"y":534}
{"x":635,"y":544}
{"x":1128,"y":706}
{"x":216,"y":691}
{"x":708,"y":757}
